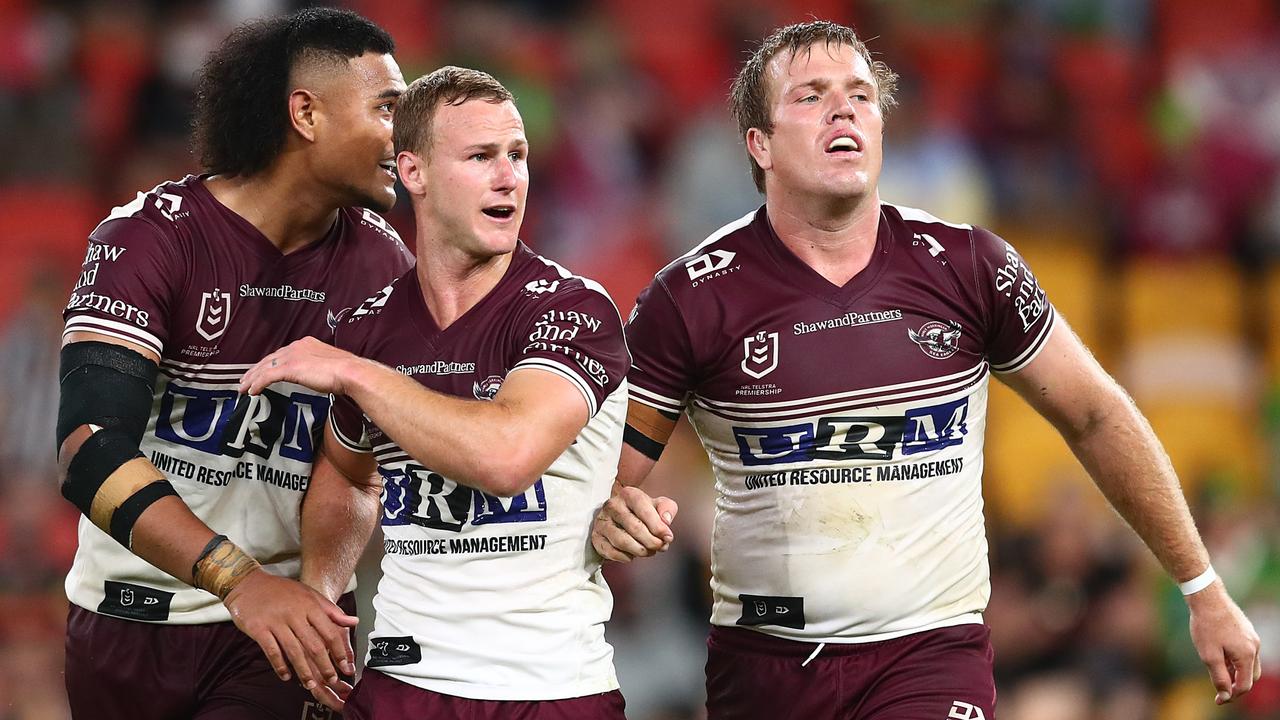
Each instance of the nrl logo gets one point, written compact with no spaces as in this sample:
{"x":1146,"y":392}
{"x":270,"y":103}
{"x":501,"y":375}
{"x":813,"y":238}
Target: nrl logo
{"x":215,"y":312}
{"x":760,"y":354}
{"x":938,"y":340}
{"x":488,"y":388}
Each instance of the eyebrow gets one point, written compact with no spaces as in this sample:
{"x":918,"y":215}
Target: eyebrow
{"x":822,"y":84}
{"x":493,"y":146}
{"x":390,"y":94}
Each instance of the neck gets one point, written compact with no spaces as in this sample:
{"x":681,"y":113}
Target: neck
{"x":834,"y":237}
{"x":453,"y":281}
{"x":282,"y":205}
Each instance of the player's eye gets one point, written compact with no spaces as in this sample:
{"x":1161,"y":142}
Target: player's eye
{"x":809,"y":99}
{"x":516,"y":155}
{"x":479,"y":157}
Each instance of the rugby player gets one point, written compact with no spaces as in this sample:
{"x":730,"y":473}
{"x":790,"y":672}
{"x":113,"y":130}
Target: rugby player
{"x":488,"y":388}
{"x":190,"y":493}
{"x":833,"y":352}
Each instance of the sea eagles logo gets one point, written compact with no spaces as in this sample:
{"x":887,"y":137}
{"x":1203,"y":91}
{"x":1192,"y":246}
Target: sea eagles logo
{"x":488,"y":388}
{"x":938,"y":340}
{"x":760,"y":354}
{"x":332,"y":319}
{"x":215,"y":313}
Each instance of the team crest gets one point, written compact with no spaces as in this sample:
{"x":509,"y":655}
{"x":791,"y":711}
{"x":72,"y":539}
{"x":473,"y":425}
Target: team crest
{"x":938,"y":340}
{"x":215,"y":313}
{"x":760,"y":354}
{"x":488,"y":388}
{"x":313,"y":710}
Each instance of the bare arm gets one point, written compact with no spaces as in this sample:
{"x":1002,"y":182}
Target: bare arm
{"x":339,"y":513}
{"x":632,"y":524}
{"x":500,"y":446}
{"x":307,"y":630}
{"x":1116,"y":445}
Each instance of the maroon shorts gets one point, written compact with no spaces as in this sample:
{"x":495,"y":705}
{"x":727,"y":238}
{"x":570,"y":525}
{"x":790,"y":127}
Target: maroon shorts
{"x":942,"y":674}
{"x":145,"y":671}
{"x":379,"y":696}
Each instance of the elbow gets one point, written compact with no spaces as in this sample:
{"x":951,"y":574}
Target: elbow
{"x":512,"y":472}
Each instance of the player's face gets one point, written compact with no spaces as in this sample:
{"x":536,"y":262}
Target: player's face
{"x":477,"y":176}
{"x":358,"y":157}
{"x":827,"y":136}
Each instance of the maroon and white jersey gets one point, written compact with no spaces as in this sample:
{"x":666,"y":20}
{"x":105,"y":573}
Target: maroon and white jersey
{"x":487,"y":597}
{"x":844,"y":424}
{"x":181,"y":274}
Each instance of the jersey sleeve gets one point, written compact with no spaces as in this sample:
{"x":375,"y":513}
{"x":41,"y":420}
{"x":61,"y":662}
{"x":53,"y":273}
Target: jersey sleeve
{"x":1018,"y":314}
{"x":127,"y":284}
{"x":578,"y":335}
{"x":345,"y":417}
{"x":662,"y":367}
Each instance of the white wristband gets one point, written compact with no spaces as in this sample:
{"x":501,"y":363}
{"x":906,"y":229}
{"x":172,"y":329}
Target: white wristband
{"x":1199,"y":582}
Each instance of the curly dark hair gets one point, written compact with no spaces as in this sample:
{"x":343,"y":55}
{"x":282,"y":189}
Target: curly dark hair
{"x":241,"y":119}
{"x":749,"y":98}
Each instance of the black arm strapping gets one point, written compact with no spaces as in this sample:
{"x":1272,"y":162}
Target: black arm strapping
{"x":106,"y":385}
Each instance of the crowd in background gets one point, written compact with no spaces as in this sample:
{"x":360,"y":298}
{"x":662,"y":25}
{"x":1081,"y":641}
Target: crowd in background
{"x":1129,"y":148}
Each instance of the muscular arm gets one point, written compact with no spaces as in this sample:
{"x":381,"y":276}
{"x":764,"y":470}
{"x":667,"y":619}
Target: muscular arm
{"x":167,"y":534}
{"x":632,"y":524}
{"x":500,"y":447}
{"x":1117,"y":447}
{"x":339,"y":513}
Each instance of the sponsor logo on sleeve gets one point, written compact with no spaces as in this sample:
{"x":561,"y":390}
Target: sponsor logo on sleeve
{"x":936,"y":339}
{"x":170,"y":206}
{"x":961,"y":710}
{"x":215,"y":313}
{"x":134,"y":602}
{"x":1015,"y":281}
{"x":760,"y":354}
{"x":714,"y":264}
{"x":935,"y":247}
{"x":110,"y":306}
{"x":779,"y":610}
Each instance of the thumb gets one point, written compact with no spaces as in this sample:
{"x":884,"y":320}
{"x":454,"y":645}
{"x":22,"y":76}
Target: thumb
{"x":339,"y":617}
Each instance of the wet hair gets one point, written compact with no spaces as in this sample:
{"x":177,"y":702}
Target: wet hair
{"x":241,"y":112}
{"x":449,"y":85}
{"x":749,"y":97}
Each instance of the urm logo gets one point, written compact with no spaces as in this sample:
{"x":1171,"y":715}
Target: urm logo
{"x":418,"y":496}
{"x":223,"y":422}
{"x":919,"y":430}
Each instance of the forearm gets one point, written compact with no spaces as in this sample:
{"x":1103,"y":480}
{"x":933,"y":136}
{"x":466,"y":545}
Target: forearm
{"x":477,"y":443}
{"x":337,"y":519}
{"x":169,"y":536}
{"x":1121,"y":453}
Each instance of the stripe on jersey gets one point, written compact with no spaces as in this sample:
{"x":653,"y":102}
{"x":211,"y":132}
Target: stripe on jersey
{"x":343,"y":440}
{"x":566,"y":372}
{"x":654,"y":400}
{"x":918,"y":215}
{"x":111,"y":328}
{"x":1033,"y":350}
{"x":129,"y":209}
{"x":811,"y":406}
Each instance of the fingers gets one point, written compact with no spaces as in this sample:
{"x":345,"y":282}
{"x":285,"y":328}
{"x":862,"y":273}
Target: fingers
{"x":1246,"y":667}
{"x":297,"y":656}
{"x":667,"y":509}
{"x":271,"y":649}
{"x":337,"y":641}
{"x":333,"y":697}
{"x":1220,"y":675}
{"x":317,"y":649}
{"x":606,"y":548}
{"x":643,"y":521}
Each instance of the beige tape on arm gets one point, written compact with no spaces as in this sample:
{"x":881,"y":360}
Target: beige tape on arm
{"x":119,"y":486}
{"x":223,"y":568}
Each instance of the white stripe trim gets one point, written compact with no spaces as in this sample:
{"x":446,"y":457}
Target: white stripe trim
{"x":1033,"y":350}
{"x":842,"y":406}
{"x":719,"y":234}
{"x":653,"y":395}
{"x":195,"y":377}
{"x":129,"y":209}
{"x":209,"y":367}
{"x":656,"y":406}
{"x":918,"y":215}
{"x":540,"y":363}
{"x":384,"y":446}
{"x":346,"y":442}
{"x":590,"y":285}
{"x":222,"y":376}
{"x":866,"y":392}
{"x":89,"y":323}
{"x":386,"y":459}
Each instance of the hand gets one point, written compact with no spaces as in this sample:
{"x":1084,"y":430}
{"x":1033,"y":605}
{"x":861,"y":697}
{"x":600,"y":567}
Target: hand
{"x":1226,"y":642}
{"x":287,"y":618}
{"x":308,"y":362}
{"x":632,"y":525}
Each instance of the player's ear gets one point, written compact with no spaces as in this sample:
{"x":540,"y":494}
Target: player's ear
{"x":758,"y":147}
{"x":303,"y":113}
{"x":411,"y":169}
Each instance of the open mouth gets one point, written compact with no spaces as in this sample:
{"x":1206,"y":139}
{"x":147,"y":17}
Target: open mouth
{"x":500,"y":212}
{"x":843,"y":144}
{"x":389,"y":166}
